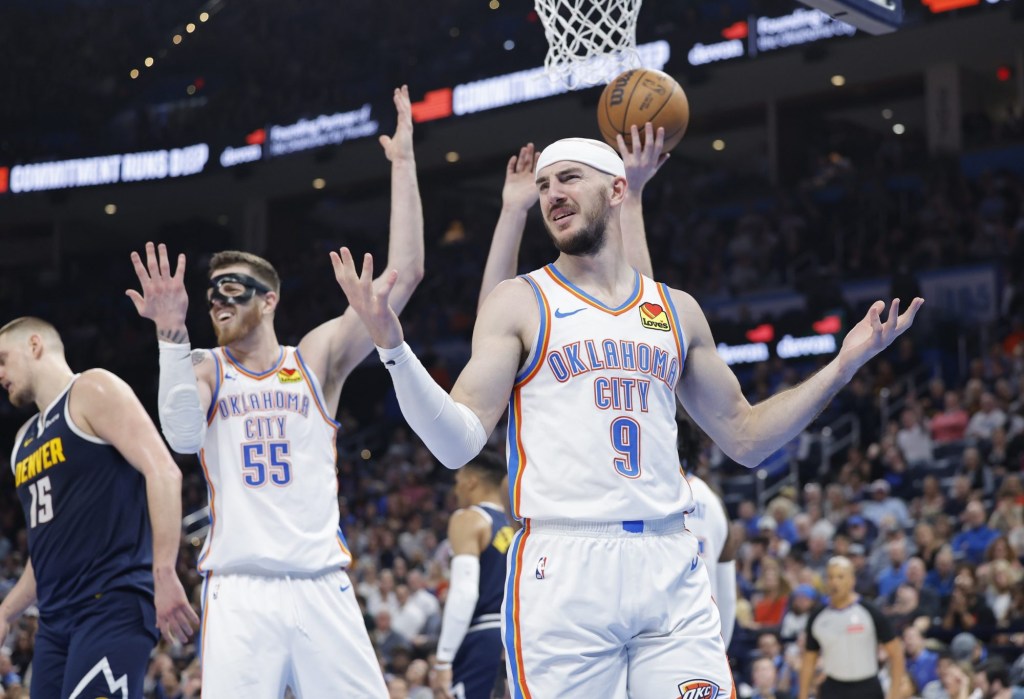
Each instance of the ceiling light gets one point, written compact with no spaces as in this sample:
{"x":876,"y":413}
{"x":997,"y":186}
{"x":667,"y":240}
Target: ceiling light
{"x":110,"y":209}
{"x":319,"y":183}
{"x":718,"y":144}
{"x":451,"y":156}
{"x":898,"y":129}
{"x":838,"y":80}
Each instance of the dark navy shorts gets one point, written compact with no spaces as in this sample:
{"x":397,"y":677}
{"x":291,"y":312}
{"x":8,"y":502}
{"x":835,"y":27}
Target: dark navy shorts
{"x":99,"y":648}
{"x":478,"y":664}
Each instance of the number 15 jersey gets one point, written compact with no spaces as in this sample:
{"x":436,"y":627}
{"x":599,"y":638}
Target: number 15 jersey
{"x":270,"y":464}
{"x":592,"y":429}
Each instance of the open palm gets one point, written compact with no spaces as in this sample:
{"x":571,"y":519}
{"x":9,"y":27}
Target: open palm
{"x":870,"y":336}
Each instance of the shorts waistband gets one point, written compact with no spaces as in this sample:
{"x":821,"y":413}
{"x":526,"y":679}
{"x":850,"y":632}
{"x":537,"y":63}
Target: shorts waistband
{"x":673,"y":524}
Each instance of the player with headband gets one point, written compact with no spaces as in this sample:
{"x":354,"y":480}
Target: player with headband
{"x":590,"y":356}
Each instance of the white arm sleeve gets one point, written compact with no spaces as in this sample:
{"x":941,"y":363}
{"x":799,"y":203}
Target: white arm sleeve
{"x":725,"y":597}
{"x":463,"y":593}
{"x":450,"y":430}
{"x":181,"y":414}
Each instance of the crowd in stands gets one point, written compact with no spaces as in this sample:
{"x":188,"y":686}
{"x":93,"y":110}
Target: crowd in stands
{"x":929,"y":505}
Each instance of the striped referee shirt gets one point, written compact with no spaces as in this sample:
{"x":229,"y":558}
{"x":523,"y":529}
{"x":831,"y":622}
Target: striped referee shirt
{"x":848,"y":639}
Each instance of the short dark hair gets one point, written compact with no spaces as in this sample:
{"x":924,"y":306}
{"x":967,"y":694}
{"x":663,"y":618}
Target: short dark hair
{"x":260,"y":268}
{"x":490,"y":467}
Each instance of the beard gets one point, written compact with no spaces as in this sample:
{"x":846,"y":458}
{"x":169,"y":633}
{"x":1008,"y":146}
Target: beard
{"x":247,"y":320}
{"x":20,"y":398}
{"x":590,"y":239}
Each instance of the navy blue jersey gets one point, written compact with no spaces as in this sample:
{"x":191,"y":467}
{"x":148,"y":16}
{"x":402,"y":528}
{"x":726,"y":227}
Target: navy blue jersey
{"x":492,"y":561}
{"x":85,"y":507}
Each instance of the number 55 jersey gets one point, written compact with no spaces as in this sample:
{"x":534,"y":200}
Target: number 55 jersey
{"x":270,"y":464}
{"x":592,"y":429}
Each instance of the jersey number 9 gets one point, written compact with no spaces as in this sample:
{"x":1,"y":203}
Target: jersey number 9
{"x":626,"y":441}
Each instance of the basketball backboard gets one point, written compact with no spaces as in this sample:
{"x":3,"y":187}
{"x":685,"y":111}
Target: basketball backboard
{"x":871,"y":16}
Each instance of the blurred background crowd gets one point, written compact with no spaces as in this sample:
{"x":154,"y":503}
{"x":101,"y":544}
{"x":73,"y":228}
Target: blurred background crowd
{"x":914,"y":471}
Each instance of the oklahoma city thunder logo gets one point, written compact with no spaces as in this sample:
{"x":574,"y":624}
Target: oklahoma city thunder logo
{"x":653,"y":317}
{"x":698,"y":689}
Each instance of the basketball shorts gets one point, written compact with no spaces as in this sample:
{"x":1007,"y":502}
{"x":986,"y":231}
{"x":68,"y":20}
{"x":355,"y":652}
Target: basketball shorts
{"x":479,"y":660}
{"x":263,"y":633}
{"x":99,"y":648}
{"x":620,"y":609}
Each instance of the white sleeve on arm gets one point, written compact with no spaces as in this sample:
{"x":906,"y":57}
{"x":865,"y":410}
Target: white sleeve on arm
{"x":463,"y":593}
{"x":450,"y":430}
{"x":725,"y":597}
{"x":181,"y":414}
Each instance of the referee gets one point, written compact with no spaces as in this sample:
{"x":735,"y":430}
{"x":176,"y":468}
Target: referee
{"x":846,"y":634}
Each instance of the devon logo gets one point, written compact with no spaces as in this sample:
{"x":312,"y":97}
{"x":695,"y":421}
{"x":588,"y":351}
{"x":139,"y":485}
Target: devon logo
{"x":653,"y":317}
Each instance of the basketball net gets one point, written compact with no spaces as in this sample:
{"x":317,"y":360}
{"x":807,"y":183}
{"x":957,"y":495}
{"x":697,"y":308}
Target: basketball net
{"x":589,"y":41}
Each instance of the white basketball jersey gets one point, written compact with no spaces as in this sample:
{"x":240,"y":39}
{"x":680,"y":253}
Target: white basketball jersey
{"x":270,"y":464}
{"x":708,"y":522}
{"x":592,"y":430}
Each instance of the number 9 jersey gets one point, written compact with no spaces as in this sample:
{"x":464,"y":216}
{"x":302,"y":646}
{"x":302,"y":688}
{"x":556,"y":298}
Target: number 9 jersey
{"x":592,"y":429}
{"x":270,"y":461}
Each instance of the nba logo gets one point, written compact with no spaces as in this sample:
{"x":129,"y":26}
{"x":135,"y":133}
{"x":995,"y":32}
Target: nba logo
{"x":698,"y":689}
{"x":540,"y":567}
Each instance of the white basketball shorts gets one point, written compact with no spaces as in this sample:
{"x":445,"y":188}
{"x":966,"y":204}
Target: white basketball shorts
{"x":611,"y":610}
{"x":262,"y":633}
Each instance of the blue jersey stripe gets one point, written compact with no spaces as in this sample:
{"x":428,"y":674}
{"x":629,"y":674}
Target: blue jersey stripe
{"x":634,"y":295}
{"x":675,"y":322}
{"x":542,"y":333}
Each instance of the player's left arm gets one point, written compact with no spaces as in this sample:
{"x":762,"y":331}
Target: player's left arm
{"x":467,"y":534}
{"x":642,"y":163}
{"x":711,"y":394}
{"x":105,"y":406}
{"x":333,"y":349}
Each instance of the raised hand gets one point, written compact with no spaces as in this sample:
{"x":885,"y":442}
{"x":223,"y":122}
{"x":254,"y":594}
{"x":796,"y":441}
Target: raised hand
{"x":174,"y":615}
{"x":645,"y":159}
{"x":369,"y":300}
{"x":520,"y":190}
{"x":870,"y":336}
{"x":399,"y":146}
{"x":163,"y":299}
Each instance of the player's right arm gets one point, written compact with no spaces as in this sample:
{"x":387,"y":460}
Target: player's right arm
{"x":518,"y":195}
{"x":454,"y":427}
{"x":186,"y":378}
{"x":642,"y":163}
{"x":467,"y":535}
{"x":20,"y":598}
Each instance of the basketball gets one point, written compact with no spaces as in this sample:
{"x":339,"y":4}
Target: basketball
{"x":642,"y":95}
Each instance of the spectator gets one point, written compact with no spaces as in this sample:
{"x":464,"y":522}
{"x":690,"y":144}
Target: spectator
{"x":773,"y":595}
{"x":913,"y":439}
{"x":922,"y":664}
{"x":928,"y":599}
{"x":949,"y":425}
{"x":894,"y":574}
{"x":975,"y":537}
{"x":385,"y":638}
{"x":942,"y":577}
{"x":764,"y":677}
{"x":931,"y":503}
{"x":881,"y":505}
{"x":988,"y":417}
{"x":795,"y":619}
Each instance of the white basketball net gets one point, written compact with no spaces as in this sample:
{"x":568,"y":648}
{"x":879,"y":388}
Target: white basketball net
{"x":589,"y":41}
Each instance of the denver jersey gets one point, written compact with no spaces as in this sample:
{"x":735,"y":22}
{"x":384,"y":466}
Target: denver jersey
{"x":270,"y":463}
{"x":85,"y":507}
{"x":709,"y":524}
{"x":492,"y":560}
{"x":592,"y":430}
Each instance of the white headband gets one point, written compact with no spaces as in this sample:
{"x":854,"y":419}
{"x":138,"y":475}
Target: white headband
{"x":583,"y":150}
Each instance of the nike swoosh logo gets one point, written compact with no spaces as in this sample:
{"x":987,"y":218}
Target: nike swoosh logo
{"x":559,"y":314}
{"x":343,"y":588}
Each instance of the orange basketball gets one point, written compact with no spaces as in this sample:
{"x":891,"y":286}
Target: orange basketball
{"x":642,"y":95}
